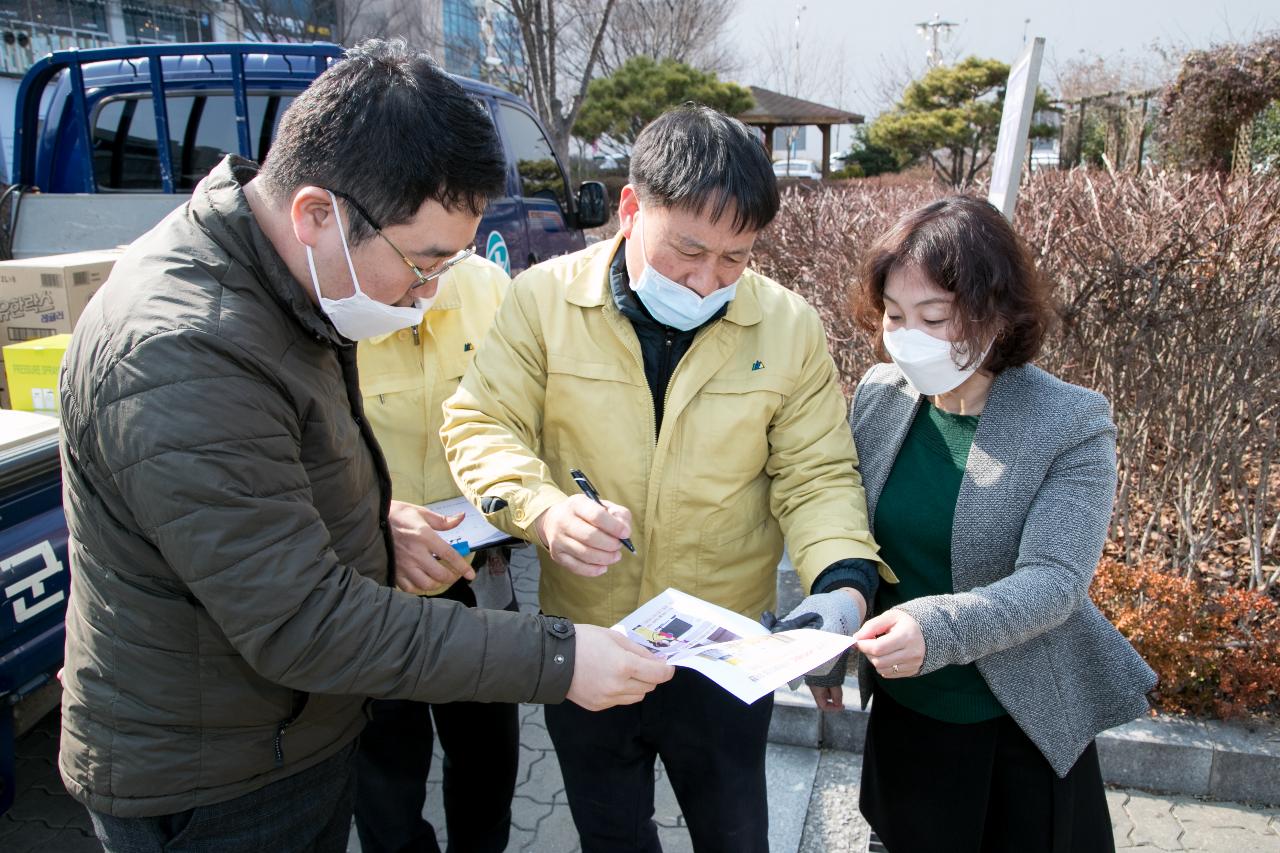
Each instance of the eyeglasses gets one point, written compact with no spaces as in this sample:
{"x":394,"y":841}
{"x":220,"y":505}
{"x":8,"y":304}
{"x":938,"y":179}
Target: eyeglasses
{"x":423,"y":276}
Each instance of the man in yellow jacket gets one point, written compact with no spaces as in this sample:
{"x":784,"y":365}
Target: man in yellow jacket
{"x":405,"y":377}
{"x":701,"y":400}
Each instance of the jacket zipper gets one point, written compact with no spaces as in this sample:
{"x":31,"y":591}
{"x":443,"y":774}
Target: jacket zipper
{"x":278,"y":744}
{"x":666,"y":373}
{"x":666,"y":400}
{"x":300,"y":701}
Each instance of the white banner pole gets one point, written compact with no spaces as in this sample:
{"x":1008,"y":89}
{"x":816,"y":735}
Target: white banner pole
{"x":1015,"y":124}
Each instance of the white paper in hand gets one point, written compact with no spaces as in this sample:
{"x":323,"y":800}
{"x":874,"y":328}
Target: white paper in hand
{"x":733,"y":651}
{"x":475,"y":530}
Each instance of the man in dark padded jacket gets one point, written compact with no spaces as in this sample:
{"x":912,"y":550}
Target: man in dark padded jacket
{"x":232,"y":533}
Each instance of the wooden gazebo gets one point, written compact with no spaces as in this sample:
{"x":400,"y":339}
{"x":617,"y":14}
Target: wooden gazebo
{"x":774,"y":110}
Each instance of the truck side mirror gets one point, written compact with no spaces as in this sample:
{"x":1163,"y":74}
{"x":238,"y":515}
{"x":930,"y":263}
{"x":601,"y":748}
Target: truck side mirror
{"x":593,"y":205}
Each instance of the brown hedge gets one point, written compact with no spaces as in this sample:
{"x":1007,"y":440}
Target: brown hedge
{"x":1168,"y":293}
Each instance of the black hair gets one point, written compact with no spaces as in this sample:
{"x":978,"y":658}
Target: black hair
{"x":387,"y":126}
{"x":697,"y":159}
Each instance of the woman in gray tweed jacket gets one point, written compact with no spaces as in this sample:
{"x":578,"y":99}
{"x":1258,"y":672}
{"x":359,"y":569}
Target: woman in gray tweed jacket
{"x":990,"y":485}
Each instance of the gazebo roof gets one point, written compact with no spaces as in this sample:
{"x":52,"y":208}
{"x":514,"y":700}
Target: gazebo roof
{"x":774,"y":109}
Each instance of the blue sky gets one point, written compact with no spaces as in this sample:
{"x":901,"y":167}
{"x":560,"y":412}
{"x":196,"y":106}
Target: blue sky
{"x":878,"y":40}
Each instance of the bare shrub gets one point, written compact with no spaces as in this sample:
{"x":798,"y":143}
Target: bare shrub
{"x":1168,"y":291}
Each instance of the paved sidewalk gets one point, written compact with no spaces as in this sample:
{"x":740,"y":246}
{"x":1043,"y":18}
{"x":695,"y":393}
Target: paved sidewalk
{"x":813,"y":798}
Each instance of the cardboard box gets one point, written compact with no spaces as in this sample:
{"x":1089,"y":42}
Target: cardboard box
{"x":31,"y":369}
{"x":46,"y":296}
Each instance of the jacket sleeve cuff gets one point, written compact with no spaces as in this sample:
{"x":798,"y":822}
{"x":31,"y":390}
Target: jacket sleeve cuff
{"x":931,"y":631}
{"x":559,"y":644}
{"x":526,"y":508}
{"x":820,"y":556}
{"x":862,"y":575}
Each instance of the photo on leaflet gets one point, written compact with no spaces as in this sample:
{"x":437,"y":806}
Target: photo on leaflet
{"x":674,"y":633}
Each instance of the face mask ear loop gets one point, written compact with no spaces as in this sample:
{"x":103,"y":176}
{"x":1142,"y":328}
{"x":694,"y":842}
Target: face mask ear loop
{"x":345,"y":250}
{"x":311,"y":264}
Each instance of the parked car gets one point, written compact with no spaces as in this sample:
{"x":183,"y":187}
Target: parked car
{"x":803,"y":169}
{"x":88,"y":121}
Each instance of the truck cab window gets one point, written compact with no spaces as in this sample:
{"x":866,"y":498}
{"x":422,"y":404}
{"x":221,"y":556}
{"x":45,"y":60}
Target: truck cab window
{"x":535,"y":159}
{"x":202,"y":130}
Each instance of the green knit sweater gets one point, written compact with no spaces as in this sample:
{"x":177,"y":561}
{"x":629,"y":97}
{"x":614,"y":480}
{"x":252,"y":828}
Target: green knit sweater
{"x":913,"y":526}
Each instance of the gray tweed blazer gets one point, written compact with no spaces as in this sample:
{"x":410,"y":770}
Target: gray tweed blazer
{"x":1030,"y":522}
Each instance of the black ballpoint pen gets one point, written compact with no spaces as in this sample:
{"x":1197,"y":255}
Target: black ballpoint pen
{"x":590,"y":491}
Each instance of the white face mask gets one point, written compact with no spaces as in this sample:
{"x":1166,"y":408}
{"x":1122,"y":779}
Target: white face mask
{"x":358,"y":316}
{"x":673,"y":304}
{"x":928,"y":362}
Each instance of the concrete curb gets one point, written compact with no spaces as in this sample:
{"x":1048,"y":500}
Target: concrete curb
{"x":1200,"y":758}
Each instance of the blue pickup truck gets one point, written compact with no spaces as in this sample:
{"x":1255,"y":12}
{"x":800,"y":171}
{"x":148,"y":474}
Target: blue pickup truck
{"x":34,"y":577}
{"x":88,"y":122}
{"x":89,"y":174}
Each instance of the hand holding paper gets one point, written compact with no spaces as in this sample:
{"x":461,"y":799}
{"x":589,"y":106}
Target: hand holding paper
{"x":425,"y":561}
{"x":893,"y":644}
{"x":611,"y":670}
{"x":839,"y":612}
{"x":735,"y":652}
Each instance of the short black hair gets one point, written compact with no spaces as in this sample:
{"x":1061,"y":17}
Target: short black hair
{"x":695,"y":158}
{"x":388,"y":127}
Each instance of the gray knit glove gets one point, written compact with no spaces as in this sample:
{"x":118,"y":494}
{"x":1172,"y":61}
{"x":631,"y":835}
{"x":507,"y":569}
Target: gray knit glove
{"x":828,"y":611}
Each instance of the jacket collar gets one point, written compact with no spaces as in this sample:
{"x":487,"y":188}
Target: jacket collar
{"x":590,"y":287}
{"x":997,"y":419}
{"x":220,"y":207}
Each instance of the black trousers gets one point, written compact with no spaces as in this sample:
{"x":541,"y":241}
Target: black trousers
{"x":481,"y":745}
{"x":975,"y":788}
{"x":713,"y":749}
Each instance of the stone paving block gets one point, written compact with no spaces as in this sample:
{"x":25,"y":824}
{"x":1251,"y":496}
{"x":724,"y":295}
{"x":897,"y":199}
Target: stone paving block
{"x":1225,"y":826}
{"x":795,"y":719}
{"x":527,"y":759}
{"x":833,"y":823}
{"x":1165,"y":755}
{"x":534,"y":735}
{"x":552,"y":831}
{"x":31,"y":836}
{"x":58,"y":810}
{"x":519,"y":839}
{"x":69,"y":842}
{"x":791,"y":771}
{"x":545,"y":784}
{"x":8,"y":826}
{"x":1153,"y":822}
{"x":1228,"y":840}
{"x":1121,"y":823}
{"x":527,"y":813}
